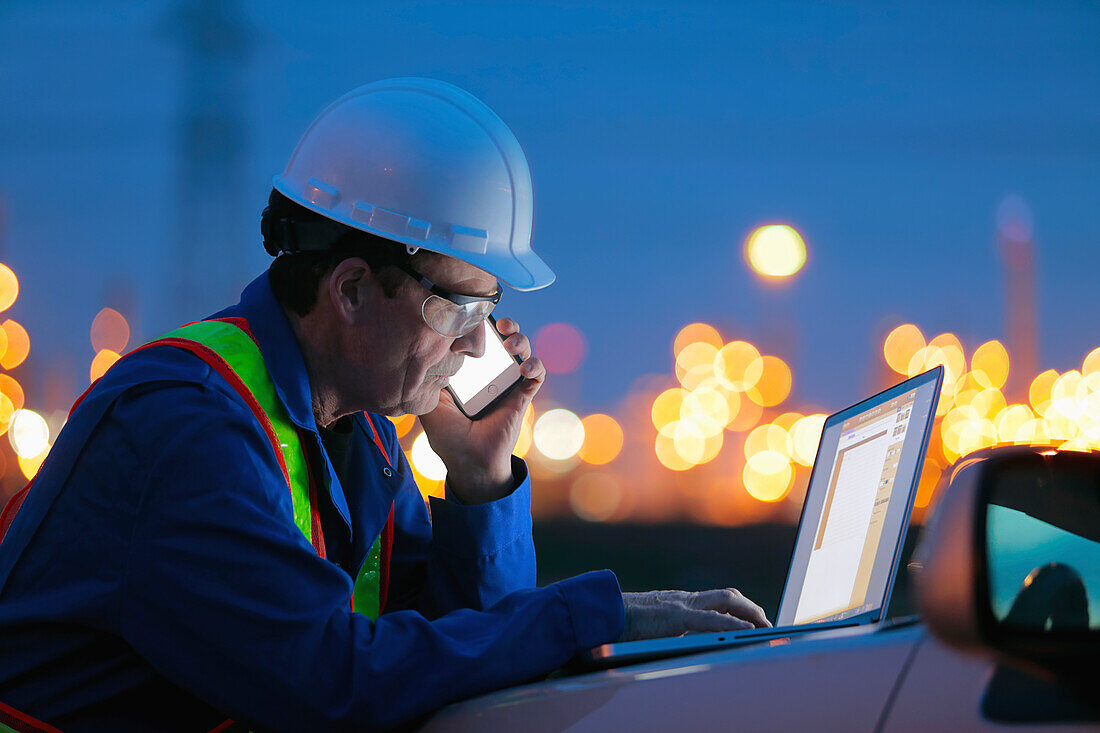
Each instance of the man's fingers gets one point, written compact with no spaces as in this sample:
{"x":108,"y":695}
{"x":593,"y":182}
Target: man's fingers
{"x":507,"y":327}
{"x":730,"y":600}
{"x":519,"y":345}
{"x":703,"y":621}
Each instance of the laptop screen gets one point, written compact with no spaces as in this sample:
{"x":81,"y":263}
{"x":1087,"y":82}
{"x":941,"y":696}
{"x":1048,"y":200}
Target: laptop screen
{"x":857,"y":505}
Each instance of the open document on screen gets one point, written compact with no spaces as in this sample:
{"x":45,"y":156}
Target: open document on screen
{"x":850,"y":528}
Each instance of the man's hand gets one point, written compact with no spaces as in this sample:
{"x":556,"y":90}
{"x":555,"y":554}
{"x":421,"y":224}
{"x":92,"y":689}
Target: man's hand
{"x":478,"y":453}
{"x":662,"y":613}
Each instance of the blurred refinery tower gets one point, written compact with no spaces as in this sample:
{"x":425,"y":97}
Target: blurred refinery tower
{"x":211,"y":210}
{"x":1014,"y":235}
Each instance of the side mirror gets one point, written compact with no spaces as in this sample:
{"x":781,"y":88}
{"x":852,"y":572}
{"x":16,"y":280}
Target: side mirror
{"x":1010,"y":563}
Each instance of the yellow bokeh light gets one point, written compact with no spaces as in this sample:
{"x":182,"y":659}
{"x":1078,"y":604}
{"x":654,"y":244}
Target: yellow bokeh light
{"x":3,"y":343}
{"x":12,"y":390}
{"x":733,"y":399}
{"x":775,"y":251}
{"x":666,"y":449}
{"x":901,"y":346}
{"x":425,"y":460}
{"x":806,"y":434}
{"x":989,"y":364}
{"x":1081,"y":445}
{"x":707,"y":408}
{"x":695,"y":357}
{"x":28,"y":432}
{"x":19,"y":345}
{"x":767,"y":476}
{"x":768,"y":438}
{"x":403,"y":424}
{"x":1033,"y":432}
{"x":596,"y":496}
{"x":526,"y":433}
{"x":1065,"y":386}
{"x":667,"y":406}
{"x":1038,"y":394}
{"x":1010,"y":421}
{"x":696,"y":333}
{"x":787,"y":420}
{"x":987,"y":403}
{"x":30,"y":466}
{"x":559,"y":434}
{"x":103,"y":361}
{"x":603,"y":439}
{"x":7,"y":409}
{"x":738,"y":366}
{"x":9,"y":287}
{"x":1091,"y":364}
{"x":697,"y":376}
{"x":1061,"y":418}
{"x":975,"y":435}
{"x":774,"y":384}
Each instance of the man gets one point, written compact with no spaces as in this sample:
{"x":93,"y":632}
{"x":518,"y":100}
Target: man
{"x":227,"y":528}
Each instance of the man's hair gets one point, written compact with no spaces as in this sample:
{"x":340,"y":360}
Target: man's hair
{"x":295,"y":276}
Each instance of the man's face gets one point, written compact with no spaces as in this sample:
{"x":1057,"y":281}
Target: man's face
{"x":411,"y":363}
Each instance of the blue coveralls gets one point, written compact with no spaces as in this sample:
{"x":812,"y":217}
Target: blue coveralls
{"x":154,"y":578}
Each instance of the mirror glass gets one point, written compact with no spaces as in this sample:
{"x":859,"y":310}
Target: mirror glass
{"x":1043,"y":545}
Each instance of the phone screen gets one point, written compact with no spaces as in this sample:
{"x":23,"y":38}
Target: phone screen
{"x":476,"y":373}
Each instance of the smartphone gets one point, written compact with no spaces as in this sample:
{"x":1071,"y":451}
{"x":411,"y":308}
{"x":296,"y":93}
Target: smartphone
{"x":482,"y":381}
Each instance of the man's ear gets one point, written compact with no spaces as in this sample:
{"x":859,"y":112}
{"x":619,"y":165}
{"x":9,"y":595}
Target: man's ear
{"x":351,"y":288}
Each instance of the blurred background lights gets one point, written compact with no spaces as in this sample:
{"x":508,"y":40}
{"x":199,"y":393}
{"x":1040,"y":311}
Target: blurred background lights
{"x":559,"y":434}
{"x":774,"y":384}
{"x":603,"y":439}
{"x":775,"y":251}
{"x":12,"y":390}
{"x":990,"y":364}
{"x":18,"y":347}
{"x":560,"y":346}
{"x":110,"y":331}
{"x":902,"y":344}
{"x":738,"y":366}
{"x":29,"y":434}
{"x":526,"y":432}
{"x":425,"y":460}
{"x":805,"y":435}
{"x":403,"y":424}
{"x":767,"y":476}
{"x":102,"y":361}
{"x":596,"y":496}
{"x":9,"y":287}
{"x":696,"y":333}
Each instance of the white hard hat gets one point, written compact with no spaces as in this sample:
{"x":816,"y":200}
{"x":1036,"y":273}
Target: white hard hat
{"x":424,"y":163}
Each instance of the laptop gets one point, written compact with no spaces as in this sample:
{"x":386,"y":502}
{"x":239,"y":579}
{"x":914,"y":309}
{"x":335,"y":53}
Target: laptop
{"x":851,"y":530}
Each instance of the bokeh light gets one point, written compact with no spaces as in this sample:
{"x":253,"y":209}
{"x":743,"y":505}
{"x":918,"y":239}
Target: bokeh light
{"x":774,"y":384}
{"x":403,"y":424}
{"x":595,"y":496}
{"x":747,"y":417}
{"x":775,"y":251}
{"x":990,"y":364}
{"x":667,"y":407}
{"x":425,"y":460}
{"x":901,"y":346}
{"x":9,"y":287}
{"x":707,"y":408}
{"x":738,"y":366}
{"x":526,"y":433}
{"x":1038,"y":394}
{"x":703,"y":333}
{"x":110,"y":331}
{"x":19,"y":345}
{"x":103,"y":361}
{"x":29,"y":434}
{"x":603,"y":439}
{"x":559,"y":434}
{"x":666,"y":449}
{"x":7,"y":410}
{"x":768,"y":438}
{"x":29,"y":466}
{"x":560,"y":347}
{"x":806,"y":434}
{"x":695,"y":359}
{"x":767,"y":476}
{"x":12,"y":390}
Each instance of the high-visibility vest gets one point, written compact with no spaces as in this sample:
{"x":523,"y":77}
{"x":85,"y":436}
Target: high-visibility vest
{"x":228,"y":346}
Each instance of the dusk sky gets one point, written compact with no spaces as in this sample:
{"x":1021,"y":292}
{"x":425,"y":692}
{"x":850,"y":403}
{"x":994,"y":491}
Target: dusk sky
{"x":658,"y":135}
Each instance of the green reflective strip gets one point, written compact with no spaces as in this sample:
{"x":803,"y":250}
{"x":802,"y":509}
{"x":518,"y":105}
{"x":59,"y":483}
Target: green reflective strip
{"x":243,"y":356}
{"x":6,"y":729}
{"x":368,"y":582}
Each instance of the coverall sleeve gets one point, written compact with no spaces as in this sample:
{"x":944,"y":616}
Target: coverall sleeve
{"x":223,"y":595}
{"x":464,"y":556}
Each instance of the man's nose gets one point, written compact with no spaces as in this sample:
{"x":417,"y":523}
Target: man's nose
{"x":473,"y":343}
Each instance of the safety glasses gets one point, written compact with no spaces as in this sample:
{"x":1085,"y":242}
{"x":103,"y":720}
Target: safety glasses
{"x":449,"y":314}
